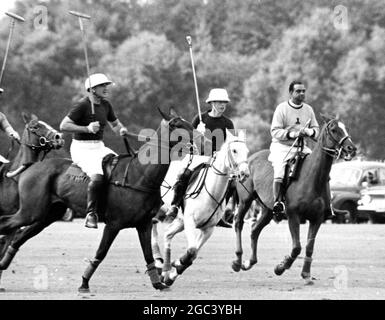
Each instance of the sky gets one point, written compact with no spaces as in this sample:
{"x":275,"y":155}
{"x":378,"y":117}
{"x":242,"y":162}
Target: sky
{"x":6,"y":5}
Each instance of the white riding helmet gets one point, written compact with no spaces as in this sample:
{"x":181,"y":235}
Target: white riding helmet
{"x":218,"y":94}
{"x":96,"y":80}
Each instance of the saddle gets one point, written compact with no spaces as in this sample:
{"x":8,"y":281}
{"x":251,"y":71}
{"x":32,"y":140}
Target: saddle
{"x":292,"y":169}
{"x":109,"y":162}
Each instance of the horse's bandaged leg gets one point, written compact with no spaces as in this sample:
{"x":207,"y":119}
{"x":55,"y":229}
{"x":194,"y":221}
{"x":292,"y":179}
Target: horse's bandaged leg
{"x":92,"y":266}
{"x":153,"y":273}
{"x":306,"y":267}
{"x":7,"y":259}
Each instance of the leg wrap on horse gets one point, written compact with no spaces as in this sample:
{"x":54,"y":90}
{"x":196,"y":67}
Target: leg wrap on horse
{"x":153,"y":273}
{"x":167,"y":262}
{"x":92,"y":266}
{"x":288,"y":261}
{"x":306,"y":267}
{"x":185,"y":261}
{"x":7,"y":258}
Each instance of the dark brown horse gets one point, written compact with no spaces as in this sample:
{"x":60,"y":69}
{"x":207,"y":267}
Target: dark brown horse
{"x":47,"y":189}
{"x":37,"y":140}
{"x":307,"y":197}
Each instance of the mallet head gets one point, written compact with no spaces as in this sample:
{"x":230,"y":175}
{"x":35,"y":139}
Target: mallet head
{"x":15,"y":16}
{"x":80,"y":15}
{"x":188,"y":39}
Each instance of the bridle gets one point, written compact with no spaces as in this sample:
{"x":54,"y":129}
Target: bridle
{"x":335,"y":151}
{"x":233,"y":165}
{"x":45,"y":141}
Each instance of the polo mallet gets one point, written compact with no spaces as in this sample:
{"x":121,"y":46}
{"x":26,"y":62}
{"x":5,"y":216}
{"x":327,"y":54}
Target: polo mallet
{"x":188,"y":38}
{"x":14,"y":18}
{"x":84,"y":16}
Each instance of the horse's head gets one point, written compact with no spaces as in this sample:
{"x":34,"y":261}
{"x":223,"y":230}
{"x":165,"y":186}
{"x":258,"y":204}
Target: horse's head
{"x":237,"y":154}
{"x":39,"y":136}
{"x":336,"y":140}
{"x":179,"y":130}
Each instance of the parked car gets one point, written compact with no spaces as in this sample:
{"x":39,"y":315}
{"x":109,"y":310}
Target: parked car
{"x":372,"y":203}
{"x":347,"y":179}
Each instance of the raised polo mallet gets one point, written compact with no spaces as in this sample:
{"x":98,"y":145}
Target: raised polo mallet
{"x":188,"y":39}
{"x":14,"y":18}
{"x":84,"y":16}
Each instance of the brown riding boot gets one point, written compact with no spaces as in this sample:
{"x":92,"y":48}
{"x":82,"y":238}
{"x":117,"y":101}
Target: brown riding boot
{"x":93,"y":193}
{"x":279,"y":206}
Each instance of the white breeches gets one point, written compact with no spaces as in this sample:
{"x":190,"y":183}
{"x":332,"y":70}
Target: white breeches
{"x":88,"y":155}
{"x":279,"y":155}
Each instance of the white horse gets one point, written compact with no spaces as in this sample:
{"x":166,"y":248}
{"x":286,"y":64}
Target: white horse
{"x":204,"y":204}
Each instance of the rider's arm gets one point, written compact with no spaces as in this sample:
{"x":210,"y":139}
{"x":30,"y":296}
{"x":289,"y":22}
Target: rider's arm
{"x":314,"y":125}
{"x":5,"y":125}
{"x":118,"y":127}
{"x":68,"y":125}
{"x":278,"y":130}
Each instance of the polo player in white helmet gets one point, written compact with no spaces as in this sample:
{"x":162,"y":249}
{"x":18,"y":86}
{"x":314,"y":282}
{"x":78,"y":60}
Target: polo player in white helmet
{"x":87,"y":147}
{"x":213,"y":126}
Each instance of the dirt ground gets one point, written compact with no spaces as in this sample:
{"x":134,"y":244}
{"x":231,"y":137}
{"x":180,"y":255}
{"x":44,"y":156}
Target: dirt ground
{"x":349,"y":263}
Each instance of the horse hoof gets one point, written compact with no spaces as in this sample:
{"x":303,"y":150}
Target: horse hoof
{"x":236,"y":266}
{"x":247,"y":265}
{"x":168,"y":281}
{"x":83,"y":290}
{"x":160,"y":286}
{"x":279,"y":269}
{"x":308,"y":282}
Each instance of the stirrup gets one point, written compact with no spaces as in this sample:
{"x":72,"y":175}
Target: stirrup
{"x":91,"y":220}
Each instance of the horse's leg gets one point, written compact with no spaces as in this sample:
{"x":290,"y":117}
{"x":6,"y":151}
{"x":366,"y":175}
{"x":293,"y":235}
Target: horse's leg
{"x":109,"y":234}
{"x":172,"y":229}
{"x":244,"y":205}
{"x":5,"y":241}
{"x":256,"y":229}
{"x":196,"y":239}
{"x":312,"y":233}
{"x":23,"y":235}
{"x":155,"y":248}
{"x":144,"y":232}
{"x":294,"y":224}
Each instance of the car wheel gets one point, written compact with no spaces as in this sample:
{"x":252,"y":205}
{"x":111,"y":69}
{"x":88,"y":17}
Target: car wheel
{"x":68,"y":215}
{"x":352,"y":208}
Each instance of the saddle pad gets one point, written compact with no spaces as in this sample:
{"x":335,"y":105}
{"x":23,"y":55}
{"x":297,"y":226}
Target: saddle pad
{"x":76,"y":174}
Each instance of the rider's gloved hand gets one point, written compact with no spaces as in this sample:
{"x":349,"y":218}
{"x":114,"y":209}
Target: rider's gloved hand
{"x":123,"y":131}
{"x":93,"y":127}
{"x":308,"y":131}
{"x":14,"y":135}
{"x":201,"y":128}
{"x":293,"y":134}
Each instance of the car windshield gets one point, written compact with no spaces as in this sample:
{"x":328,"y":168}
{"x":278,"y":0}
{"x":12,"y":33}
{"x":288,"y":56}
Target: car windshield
{"x":344,"y":176}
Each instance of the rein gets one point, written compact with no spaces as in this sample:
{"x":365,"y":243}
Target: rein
{"x":334,"y":152}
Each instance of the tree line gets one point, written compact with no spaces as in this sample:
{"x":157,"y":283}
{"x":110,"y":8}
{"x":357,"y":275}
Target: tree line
{"x":252,"y":48}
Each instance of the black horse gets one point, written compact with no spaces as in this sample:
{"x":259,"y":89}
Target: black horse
{"x":307,"y":197}
{"x":47,"y":189}
{"x":37,"y":140}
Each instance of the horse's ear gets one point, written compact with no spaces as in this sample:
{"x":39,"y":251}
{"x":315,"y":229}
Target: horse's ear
{"x":229,"y":135}
{"x":326,"y":118}
{"x":164,"y":116}
{"x":26,"y":117}
{"x":34,"y":117}
{"x":173,"y":113}
{"x":242,"y":135}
